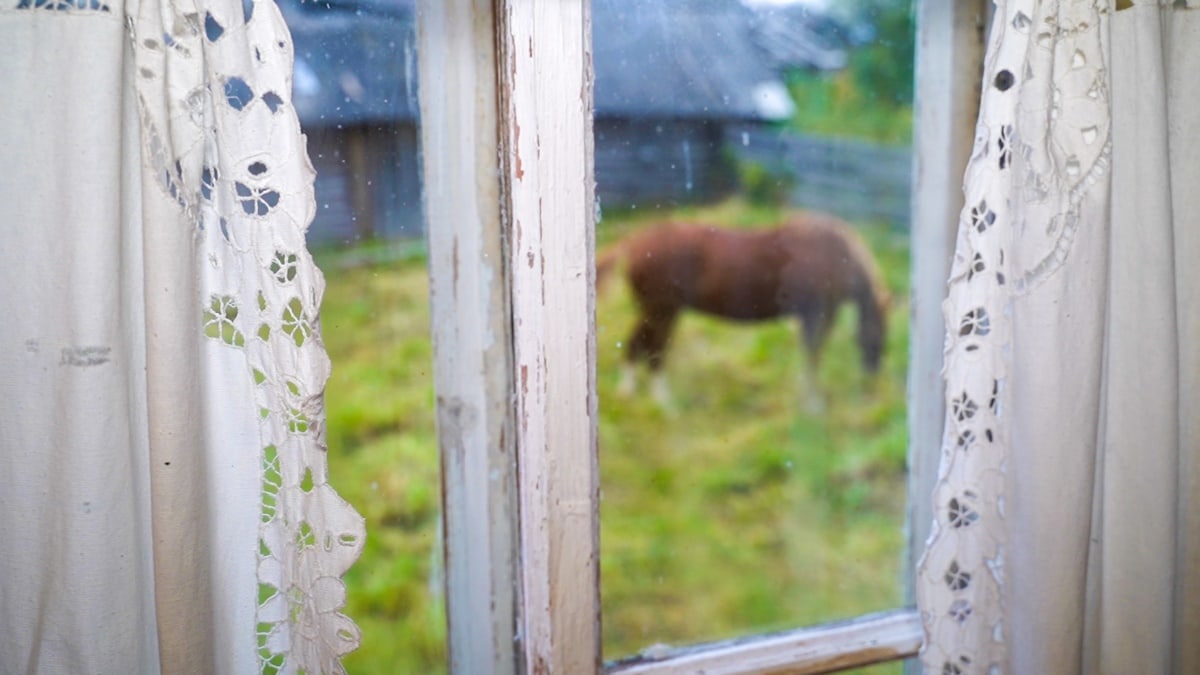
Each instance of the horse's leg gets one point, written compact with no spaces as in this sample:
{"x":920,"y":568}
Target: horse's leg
{"x":628,"y":383}
{"x":816,"y":326}
{"x":661,"y":391}
{"x":649,"y":343}
{"x":635,"y":351}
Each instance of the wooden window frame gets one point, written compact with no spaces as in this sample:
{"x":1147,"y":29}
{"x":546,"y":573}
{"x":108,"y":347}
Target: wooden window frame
{"x":506,"y":133}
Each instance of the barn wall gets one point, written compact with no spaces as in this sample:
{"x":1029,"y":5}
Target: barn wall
{"x":398,"y":196}
{"x":852,"y":179}
{"x":647,"y":163}
{"x":367,"y":184}
{"x":639,"y":163}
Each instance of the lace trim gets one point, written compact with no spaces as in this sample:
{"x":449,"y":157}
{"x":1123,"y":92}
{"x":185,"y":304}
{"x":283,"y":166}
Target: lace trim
{"x":227,"y":148}
{"x":1042,"y":142}
{"x":1061,"y":120}
{"x":59,"y":6}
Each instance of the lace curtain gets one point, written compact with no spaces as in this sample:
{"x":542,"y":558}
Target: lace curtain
{"x":163,"y":492}
{"x":1067,"y":533}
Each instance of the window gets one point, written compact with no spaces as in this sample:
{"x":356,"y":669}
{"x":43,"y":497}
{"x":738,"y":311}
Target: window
{"x":511,"y":256}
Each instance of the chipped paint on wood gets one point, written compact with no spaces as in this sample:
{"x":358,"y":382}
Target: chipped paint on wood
{"x":547,"y":149}
{"x":513,"y":328}
{"x":513,"y":322}
{"x":861,"y":642}
{"x":471,"y":321}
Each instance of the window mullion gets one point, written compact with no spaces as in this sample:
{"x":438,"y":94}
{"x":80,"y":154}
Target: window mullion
{"x":546,"y":164}
{"x":949,"y":67}
{"x":471,"y":325}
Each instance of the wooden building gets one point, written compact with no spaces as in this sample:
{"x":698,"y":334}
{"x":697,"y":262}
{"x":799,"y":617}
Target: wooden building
{"x":355,"y":90}
{"x":675,"y":84}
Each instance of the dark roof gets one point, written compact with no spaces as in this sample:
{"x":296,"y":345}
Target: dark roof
{"x":798,"y":36}
{"x":356,"y":61}
{"x":696,"y":60}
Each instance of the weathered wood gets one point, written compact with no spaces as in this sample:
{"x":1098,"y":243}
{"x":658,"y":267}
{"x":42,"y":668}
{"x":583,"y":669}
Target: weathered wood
{"x":822,"y":649}
{"x":660,"y":163}
{"x":538,"y":352}
{"x":395,"y":184}
{"x":546,"y":166}
{"x":392,"y":185}
{"x":950,"y":45}
{"x":360,"y":175}
{"x":472,"y":325}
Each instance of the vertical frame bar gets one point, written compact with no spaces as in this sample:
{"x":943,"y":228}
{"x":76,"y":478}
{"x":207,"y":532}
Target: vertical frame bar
{"x":506,"y":106}
{"x":512,"y":268}
{"x":472,"y":331}
{"x":546,"y":142}
{"x":949,"y":68}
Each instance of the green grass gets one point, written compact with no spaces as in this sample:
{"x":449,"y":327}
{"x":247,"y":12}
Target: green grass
{"x":383,"y":458}
{"x":744,"y":512}
{"x":739,"y":513}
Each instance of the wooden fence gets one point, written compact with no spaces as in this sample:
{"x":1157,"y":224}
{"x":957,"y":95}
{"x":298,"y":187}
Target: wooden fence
{"x":852,"y":179}
{"x":662,"y":166}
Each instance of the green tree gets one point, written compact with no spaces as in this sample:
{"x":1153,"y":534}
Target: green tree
{"x":883,"y":68}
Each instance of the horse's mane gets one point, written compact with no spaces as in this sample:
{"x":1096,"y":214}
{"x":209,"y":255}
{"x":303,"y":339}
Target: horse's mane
{"x":858,"y":249}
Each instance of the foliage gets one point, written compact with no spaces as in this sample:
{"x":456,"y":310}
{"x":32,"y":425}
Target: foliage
{"x":833,"y":104}
{"x":766,"y":186}
{"x":883,"y":68}
{"x":872,"y":98}
{"x":739,"y":512}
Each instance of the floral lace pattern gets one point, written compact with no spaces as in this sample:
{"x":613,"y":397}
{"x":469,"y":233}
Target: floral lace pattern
{"x":1041,"y":143}
{"x":214,"y":86}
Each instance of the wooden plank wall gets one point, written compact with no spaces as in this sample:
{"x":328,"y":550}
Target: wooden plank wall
{"x":852,"y":179}
{"x":643,"y":164}
{"x":659,"y":163}
{"x":390,"y":185}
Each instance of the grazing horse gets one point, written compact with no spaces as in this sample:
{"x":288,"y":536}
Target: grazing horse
{"x":805,"y":269}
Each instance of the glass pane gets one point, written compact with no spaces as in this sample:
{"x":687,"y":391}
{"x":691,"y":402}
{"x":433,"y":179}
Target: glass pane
{"x":355,"y":91}
{"x":747,"y":487}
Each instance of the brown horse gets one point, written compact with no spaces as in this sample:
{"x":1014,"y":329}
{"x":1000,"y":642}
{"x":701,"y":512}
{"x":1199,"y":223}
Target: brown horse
{"x":805,"y":269}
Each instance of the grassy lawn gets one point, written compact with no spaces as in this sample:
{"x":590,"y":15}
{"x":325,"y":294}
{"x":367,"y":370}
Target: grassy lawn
{"x":741,"y":512}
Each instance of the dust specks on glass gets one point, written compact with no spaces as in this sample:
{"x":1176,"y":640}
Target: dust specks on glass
{"x":750,"y":486}
{"x":739,"y":467}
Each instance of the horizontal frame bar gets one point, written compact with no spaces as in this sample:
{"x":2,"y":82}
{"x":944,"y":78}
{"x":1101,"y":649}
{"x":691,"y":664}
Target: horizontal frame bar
{"x":875,"y":638}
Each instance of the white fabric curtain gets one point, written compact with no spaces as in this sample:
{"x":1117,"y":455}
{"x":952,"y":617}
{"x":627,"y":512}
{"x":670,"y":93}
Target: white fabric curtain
{"x":1067,"y":533}
{"x":163,"y":494}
